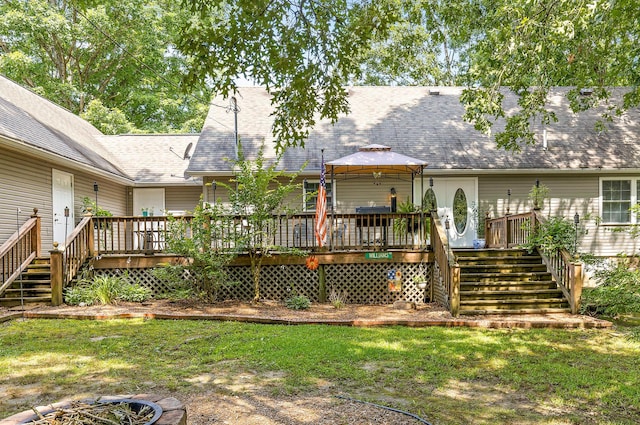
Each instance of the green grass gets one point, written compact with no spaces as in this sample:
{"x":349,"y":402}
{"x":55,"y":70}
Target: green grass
{"x":445,"y":375}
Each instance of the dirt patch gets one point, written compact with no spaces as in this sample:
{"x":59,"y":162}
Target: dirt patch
{"x":261,"y":409}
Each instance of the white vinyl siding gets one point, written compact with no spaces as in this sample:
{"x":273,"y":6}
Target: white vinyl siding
{"x":182,"y":198}
{"x":25,"y":184}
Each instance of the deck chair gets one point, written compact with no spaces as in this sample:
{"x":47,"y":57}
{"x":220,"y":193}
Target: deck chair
{"x":303,"y":235}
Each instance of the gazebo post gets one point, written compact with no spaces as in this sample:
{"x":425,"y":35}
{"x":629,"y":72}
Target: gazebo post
{"x":333,"y":194}
{"x":423,"y":239}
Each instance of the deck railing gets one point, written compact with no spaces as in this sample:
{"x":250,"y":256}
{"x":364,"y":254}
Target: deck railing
{"x":147,"y":235}
{"x":19,"y":250}
{"x":514,"y":230}
{"x":446,"y":281}
{"x":508,"y":231}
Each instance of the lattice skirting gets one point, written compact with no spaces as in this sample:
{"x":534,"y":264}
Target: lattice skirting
{"x":355,"y":283}
{"x":440,"y":293}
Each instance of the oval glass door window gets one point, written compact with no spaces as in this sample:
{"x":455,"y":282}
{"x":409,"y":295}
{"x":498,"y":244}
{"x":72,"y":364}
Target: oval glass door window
{"x":429,"y":201}
{"x":460,"y":211}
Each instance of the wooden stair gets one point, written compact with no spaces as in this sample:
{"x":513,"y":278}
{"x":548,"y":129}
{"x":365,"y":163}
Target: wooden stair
{"x":33,"y":287}
{"x":507,"y":281}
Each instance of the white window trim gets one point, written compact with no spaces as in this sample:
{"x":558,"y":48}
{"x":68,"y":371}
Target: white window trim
{"x":635,"y":181}
{"x":304,"y":195}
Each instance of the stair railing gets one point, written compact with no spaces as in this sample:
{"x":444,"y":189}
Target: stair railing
{"x":446,"y":281}
{"x":565,"y":269}
{"x":66,"y":263}
{"x":510,"y":231}
{"x":19,"y":251}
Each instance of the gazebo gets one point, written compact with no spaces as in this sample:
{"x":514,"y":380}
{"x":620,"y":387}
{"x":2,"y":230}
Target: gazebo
{"x":377,"y":160}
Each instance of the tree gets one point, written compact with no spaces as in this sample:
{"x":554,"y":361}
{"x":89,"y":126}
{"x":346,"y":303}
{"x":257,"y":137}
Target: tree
{"x":207,"y":247}
{"x":257,"y":193}
{"x":247,"y":224}
{"x":426,"y":46}
{"x":531,"y":46}
{"x":304,"y":53}
{"x":107,"y":120}
{"x":120,"y":53}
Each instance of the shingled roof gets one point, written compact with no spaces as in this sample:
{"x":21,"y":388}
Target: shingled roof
{"x":32,"y":121}
{"x":154,"y":159}
{"x":417,"y":122}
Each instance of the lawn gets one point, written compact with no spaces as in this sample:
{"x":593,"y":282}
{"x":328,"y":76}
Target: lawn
{"x":444,"y":375}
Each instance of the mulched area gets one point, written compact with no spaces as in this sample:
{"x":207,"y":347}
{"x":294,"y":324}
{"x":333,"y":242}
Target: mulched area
{"x":274,"y":312}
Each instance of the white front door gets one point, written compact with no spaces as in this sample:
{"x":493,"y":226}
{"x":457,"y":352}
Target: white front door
{"x":148,"y":201}
{"x":62,"y":198}
{"x":457,"y":200}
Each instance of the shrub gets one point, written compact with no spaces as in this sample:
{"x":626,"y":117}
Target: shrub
{"x":337,"y":299}
{"x":551,"y":235}
{"x":79,"y":294}
{"x":176,"y":281}
{"x":298,"y":302}
{"x":105,"y":290}
{"x":618,"y":291}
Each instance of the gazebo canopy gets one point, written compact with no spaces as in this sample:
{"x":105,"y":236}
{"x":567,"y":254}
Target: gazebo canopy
{"x":376,"y":159}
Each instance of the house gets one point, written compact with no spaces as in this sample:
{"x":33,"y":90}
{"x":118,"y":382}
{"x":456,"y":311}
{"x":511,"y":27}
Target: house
{"x":595,"y":174}
{"x":52,"y":159}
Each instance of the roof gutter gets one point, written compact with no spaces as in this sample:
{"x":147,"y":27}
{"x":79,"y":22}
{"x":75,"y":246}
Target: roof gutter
{"x":466,"y":171}
{"x":520,"y":171}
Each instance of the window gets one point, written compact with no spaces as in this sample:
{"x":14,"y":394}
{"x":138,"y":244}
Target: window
{"x":618,"y":195}
{"x":311,"y":195}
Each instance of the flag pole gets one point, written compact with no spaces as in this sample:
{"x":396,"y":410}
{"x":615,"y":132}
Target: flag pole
{"x":321,"y":228}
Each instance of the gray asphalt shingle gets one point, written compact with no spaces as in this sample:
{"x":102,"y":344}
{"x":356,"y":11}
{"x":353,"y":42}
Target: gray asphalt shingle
{"x":429,"y":127}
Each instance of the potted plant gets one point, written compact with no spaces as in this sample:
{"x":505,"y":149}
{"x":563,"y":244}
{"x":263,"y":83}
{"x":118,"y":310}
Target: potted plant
{"x":145,"y":212}
{"x":420,"y":280}
{"x":537,"y":195}
{"x":410,"y":225}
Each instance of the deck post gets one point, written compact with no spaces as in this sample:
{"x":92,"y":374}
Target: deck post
{"x":91,"y":236}
{"x":507,"y":232}
{"x":454,"y":297}
{"x":36,"y":234}
{"x":57,"y":271}
{"x":322,"y":282}
{"x":576,"y":287}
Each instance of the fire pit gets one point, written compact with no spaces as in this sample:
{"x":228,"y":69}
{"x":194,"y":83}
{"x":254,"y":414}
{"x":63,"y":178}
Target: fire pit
{"x":142,"y":409}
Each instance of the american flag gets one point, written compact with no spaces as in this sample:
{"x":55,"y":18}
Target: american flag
{"x":321,"y":208}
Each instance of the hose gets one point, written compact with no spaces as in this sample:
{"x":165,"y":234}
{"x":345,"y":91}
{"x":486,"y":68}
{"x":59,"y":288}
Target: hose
{"x":416,"y":417}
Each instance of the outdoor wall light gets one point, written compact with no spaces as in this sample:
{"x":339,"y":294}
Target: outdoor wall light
{"x":576,"y":221}
{"x":508,"y":200}
{"x":95,"y":189}
{"x":394,"y":199}
{"x":66,"y":224}
{"x":431,"y":182}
